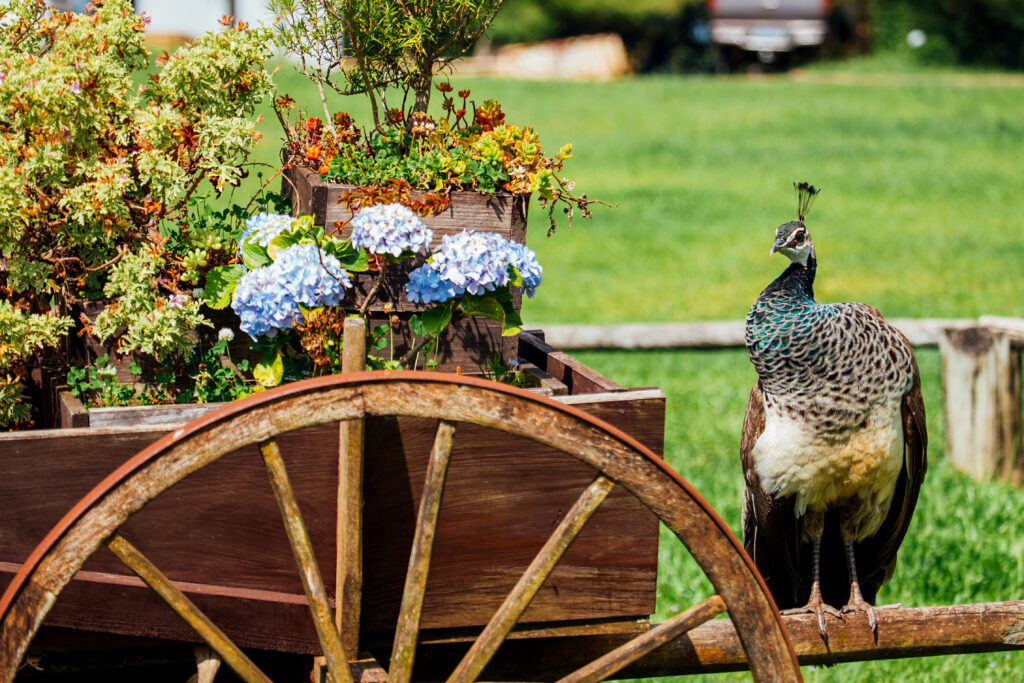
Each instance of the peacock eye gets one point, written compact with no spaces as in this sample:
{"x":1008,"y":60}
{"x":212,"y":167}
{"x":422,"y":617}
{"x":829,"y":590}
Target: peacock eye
{"x":800,"y":238}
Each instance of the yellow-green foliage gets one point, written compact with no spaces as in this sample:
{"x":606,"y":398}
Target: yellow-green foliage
{"x":89,"y":162}
{"x":159,"y":326}
{"x":21,"y":335}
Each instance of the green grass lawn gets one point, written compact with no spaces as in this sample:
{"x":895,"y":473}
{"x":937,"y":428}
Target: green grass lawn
{"x":921,"y":215}
{"x":920,"y":212}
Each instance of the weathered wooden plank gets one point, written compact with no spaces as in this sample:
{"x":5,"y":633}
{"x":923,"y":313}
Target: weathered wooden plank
{"x":529,"y":583}
{"x":713,"y":647}
{"x":113,"y":606}
{"x":155,"y":416}
{"x":577,"y":377}
{"x":502,"y":213}
{"x":707,"y":335}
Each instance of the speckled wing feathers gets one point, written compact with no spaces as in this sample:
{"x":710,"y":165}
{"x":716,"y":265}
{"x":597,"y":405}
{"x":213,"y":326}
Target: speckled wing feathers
{"x":827,"y":363}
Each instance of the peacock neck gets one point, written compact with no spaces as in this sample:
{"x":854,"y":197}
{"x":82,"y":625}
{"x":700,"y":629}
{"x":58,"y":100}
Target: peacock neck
{"x":796,"y":282}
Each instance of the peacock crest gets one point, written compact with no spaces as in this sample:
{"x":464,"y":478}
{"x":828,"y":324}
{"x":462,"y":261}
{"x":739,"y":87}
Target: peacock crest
{"x":805,"y":194}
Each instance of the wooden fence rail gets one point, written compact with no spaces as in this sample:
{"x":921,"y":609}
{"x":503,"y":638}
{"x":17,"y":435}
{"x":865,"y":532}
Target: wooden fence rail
{"x":714,"y":647}
{"x":981,"y":376}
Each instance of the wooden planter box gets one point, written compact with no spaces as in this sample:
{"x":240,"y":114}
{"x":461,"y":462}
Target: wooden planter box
{"x":471,"y":343}
{"x":219,"y":534}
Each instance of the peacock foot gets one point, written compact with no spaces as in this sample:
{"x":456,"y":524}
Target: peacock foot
{"x":819,"y":608}
{"x":859,"y":604}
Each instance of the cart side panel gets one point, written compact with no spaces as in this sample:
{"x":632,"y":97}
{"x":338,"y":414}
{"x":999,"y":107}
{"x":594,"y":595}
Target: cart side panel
{"x":219,"y":535}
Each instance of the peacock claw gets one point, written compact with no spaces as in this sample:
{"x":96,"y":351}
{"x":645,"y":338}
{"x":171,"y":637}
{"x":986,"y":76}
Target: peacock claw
{"x":861,"y":605}
{"x":865,"y":606}
{"x":819,"y":608}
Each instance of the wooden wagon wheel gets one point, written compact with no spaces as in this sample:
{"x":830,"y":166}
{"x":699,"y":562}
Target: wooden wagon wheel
{"x":617,"y":459}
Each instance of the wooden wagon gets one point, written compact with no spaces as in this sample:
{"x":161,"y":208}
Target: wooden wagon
{"x":538,"y":564}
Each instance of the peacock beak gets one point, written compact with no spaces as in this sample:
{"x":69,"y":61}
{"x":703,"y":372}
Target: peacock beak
{"x":780,"y":243}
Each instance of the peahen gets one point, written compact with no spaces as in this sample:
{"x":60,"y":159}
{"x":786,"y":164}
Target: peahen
{"x":834,"y":440}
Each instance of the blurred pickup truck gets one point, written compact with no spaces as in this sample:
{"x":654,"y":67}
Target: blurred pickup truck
{"x":766,"y":28}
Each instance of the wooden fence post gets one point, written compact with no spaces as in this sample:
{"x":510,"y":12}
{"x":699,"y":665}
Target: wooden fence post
{"x":981,"y":373}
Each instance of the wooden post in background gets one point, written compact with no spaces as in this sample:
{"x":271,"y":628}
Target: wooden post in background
{"x":349,"y":572}
{"x":981,"y":372}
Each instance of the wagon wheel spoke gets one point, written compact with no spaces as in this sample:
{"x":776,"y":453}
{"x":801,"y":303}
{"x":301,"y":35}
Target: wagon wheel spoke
{"x":404,"y":649}
{"x":186,"y":609}
{"x":493,"y":635}
{"x":648,"y":642}
{"x":309,"y":571}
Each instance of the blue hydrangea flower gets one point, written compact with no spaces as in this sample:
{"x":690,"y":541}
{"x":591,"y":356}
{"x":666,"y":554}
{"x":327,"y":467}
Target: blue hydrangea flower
{"x":264,"y":227}
{"x":312,"y":277}
{"x":525,"y":261}
{"x":267,"y":299}
{"x":426,"y":286}
{"x":472,"y":262}
{"x":263,"y":303}
{"x":390,"y":229}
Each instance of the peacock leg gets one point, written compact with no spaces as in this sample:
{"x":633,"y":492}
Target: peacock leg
{"x":814,"y":526}
{"x":857,"y":603}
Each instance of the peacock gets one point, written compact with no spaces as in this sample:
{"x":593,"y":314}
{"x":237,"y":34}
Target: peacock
{"x":834,"y":440}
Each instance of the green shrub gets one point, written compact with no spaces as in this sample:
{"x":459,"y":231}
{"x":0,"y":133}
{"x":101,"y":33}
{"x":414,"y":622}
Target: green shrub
{"x":22,"y":335}
{"x":977,"y":33}
{"x":90,"y":163}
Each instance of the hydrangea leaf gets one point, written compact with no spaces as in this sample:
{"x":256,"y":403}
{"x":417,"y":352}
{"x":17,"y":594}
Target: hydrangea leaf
{"x":270,"y":370}
{"x":283,"y":240}
{"x":351,"y":259}
{"x":254,"y":255}
{"x":417,"y":326}
{"x":487,"y":306}
{"x":512,"y":323}
{"x":435,"y":320}
{"x":221,"y":283}
{"x":514,"y":276}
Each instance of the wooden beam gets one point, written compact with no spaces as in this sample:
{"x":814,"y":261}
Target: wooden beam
{"x":714,"y":647}
{"x":710,"y":335}
{"x":348,"y":574}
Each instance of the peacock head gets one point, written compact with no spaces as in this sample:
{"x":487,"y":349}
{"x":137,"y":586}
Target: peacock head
{"x":793,"y":240}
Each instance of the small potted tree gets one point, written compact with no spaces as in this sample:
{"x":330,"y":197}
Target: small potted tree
{"x":466,"y":169}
